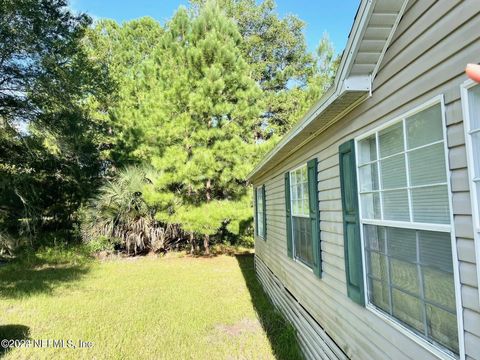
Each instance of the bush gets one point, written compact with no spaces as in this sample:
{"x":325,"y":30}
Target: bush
{"x":119,"y":212}
{"x":247,"y":241}
{"x":8,"y":243}
{"x":102,"y":243}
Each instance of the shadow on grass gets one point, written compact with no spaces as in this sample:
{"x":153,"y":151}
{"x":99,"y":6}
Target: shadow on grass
{"x":37,"y":274}
{"x":12,"y":332}
{"x":280,"y":332}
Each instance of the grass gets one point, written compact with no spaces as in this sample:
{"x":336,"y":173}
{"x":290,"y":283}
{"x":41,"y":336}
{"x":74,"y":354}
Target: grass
{"x":141,"y":308}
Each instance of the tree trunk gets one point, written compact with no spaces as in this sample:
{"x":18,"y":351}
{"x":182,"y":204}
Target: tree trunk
{"x":206,"y":244}
{"x":208,"y":187}
{"x":192,"y":243}
{"x":206,"y":239}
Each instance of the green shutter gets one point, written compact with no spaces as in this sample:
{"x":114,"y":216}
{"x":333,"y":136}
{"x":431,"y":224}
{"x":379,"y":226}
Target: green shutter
{"x":264,"y":213}
{"x":314,"y":215}
{"x":351,"y":223}
{"x":288,"y":219}
{"x":256,"y":212}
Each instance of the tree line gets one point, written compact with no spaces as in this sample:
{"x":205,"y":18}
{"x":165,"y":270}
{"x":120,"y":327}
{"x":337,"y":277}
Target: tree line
{"x":140,"y":135}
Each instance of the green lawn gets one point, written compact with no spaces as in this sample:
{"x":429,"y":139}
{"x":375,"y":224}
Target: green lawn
{"x":141,"y":308}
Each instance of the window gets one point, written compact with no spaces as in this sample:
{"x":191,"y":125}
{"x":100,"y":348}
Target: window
{"x":303,"y":216}
{"x":402,"y":171}
{"x":301,"y":228}
{"x":405,"y":221}
{"x":471,"y":109}
{"x":260,"y":201}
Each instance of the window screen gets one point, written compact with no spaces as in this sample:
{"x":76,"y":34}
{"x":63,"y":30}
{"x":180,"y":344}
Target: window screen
{"x":402,"y":179}
{"x":301,"y":229}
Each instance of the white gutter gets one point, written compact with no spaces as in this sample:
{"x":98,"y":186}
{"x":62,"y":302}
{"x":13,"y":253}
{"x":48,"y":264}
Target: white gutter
{"x":354,"y":83}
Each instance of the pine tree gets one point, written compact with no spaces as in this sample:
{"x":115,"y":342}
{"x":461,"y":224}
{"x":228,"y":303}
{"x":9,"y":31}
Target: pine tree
{"x":200,"y":131}
{"x":201,"y":100}
{"x":291,"y":78}
{"x":123,"y":50}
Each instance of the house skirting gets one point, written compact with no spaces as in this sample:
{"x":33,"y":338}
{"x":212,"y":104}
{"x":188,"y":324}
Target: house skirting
{"x":314,"y":341}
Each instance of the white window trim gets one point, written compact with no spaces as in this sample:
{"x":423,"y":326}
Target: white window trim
{"x":298,"y":261}
{"x":302,"y":264}
{"x":437,"y":351}
{"x":409,"y":225}
{"x":257,"y":189}
{"x":464,"y":89}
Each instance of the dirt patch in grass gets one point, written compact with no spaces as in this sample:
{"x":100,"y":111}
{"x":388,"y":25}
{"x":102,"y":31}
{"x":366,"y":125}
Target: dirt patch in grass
{"x":239,"y":328}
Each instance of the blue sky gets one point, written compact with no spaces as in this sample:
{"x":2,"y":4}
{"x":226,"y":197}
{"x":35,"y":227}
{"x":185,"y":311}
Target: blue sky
{"x":334,"y":17}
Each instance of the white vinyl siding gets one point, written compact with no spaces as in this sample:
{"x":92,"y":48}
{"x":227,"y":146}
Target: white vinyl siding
{"x":301,"y":229}
{"x":471,"y":103}
{"x":405,"y":214}
{"x":260,"y":213}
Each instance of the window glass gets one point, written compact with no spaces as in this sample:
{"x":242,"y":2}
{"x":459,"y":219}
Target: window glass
{"x":410,"y":276}
{"x":395,"y":205}
{"x":402,"y":243}
{"x":425,"y":127}
{"x":299,"y":192}
{"x":474,"y":106}
{"x":430,"y":204}
{"x":476,"y":150}
{"x":371,"y":205}
{"x":427,"y":165}
{"x":260,"y":214}
{"x":380,"y":294}
{"x":367,"y":150}
{"x":302,"y":236}
{"x":375,"y":238}
{"x":369,"y":174}
{"x":407,"y":309}
{"x":413,"y":181}
{"x":301,"y":228}
{"x":443,"y":326}
{"x":393,"y":173}
{"x":409,"y":270}
{"x":391,"y":140}
{"x":435,"y":250}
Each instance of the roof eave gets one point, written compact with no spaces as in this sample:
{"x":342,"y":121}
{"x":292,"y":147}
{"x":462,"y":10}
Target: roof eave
{"x":344,"y":82}
{"x":353,"y":84}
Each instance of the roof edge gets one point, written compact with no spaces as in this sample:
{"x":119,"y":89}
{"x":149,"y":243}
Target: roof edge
{"x":342,"y":83}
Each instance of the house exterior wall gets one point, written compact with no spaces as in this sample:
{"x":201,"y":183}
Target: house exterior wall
{"x":432,"y":44}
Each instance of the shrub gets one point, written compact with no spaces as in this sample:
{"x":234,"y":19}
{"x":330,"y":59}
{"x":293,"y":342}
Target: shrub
{"x":7,"y":244}
{"x":119,"y":212}
{"x":102,"y":243}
